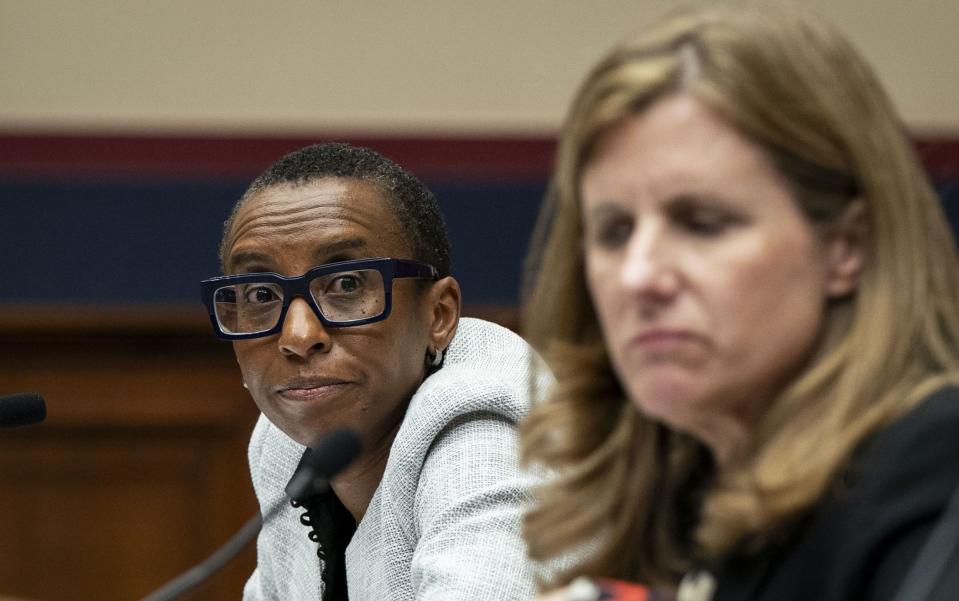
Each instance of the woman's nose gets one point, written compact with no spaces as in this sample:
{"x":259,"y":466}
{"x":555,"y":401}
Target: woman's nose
{"x":303,"y":333}
{"x":650,"y":264}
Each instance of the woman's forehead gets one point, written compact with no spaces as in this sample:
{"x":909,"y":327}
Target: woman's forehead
{"x":323,"y":217}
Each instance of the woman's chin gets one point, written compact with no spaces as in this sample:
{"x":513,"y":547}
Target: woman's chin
{"x":667,"y":400}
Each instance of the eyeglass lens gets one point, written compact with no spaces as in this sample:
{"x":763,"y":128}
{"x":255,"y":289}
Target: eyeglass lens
{"x":343,"y":296}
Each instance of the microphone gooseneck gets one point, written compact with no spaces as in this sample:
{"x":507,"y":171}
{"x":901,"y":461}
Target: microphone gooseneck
{"x":329,"y":457}
{"x":22,"y":409}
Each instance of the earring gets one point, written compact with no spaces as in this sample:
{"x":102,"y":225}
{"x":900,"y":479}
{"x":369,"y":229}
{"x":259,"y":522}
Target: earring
{"x":437,"y":357}
{"x":245,"y":385}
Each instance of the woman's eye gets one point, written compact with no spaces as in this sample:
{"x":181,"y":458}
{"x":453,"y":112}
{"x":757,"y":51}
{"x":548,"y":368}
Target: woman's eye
{"x":706,"y":222}
{"x":260,"y":295}
{"x":346,"y":284}
{"x":613,"y":233}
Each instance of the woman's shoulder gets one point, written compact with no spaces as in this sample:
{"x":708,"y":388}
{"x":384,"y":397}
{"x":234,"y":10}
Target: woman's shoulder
{"x":860,"y":542}
{"x":908,"y":467}
{"x":487,"y":368}
{"x":481,"y":345}
{"x":939,"y":410}
{"x":899,"y":484}
{"x":893,"y":493}
{"x":922,"y":442}
{"x":484,"y":389}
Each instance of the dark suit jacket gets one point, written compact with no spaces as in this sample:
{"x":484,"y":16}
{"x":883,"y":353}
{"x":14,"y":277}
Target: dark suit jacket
{"x":860,"y":543}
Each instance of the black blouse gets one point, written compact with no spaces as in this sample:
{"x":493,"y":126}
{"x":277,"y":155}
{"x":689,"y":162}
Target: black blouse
{"x":332,"y":527}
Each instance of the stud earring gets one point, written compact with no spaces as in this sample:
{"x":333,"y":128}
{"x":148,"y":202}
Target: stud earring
{"x":246,"y":386}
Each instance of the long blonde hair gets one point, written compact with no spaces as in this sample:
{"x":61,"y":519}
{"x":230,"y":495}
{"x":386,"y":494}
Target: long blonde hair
{"x":646,"y":499}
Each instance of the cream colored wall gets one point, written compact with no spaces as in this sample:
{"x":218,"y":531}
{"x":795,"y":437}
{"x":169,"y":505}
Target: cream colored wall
{"x":441,"y":66}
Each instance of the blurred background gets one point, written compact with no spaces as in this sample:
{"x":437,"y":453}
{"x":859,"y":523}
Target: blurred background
{"x":127,"y":131}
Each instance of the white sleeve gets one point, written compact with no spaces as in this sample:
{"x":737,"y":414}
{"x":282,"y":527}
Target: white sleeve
{"x":468,"y":509}
{"x":287,"y":567}
{"x":253,"y":590}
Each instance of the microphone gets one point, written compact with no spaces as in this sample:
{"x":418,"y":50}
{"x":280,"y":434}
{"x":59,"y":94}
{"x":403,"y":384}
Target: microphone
{"x":325,"y":460}
{"x":22,"y":409}
{"x":328,"y":457}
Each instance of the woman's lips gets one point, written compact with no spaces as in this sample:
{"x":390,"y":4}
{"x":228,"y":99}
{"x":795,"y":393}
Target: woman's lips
{"x":306,"y":390}
{"x":663,"y":339}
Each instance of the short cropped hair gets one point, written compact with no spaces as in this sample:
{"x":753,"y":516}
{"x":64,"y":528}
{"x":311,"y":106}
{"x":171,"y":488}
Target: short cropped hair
{"x":414,"y":205}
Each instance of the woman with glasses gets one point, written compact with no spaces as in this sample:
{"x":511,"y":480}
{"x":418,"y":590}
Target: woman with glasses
{"x":748,"y":295}
{"x":343,"y":314}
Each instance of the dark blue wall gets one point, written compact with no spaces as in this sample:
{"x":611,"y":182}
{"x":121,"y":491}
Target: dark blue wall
{"x":153,"y":241}
{"x":949,"y":192}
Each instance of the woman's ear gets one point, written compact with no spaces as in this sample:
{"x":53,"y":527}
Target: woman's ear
{"x":443,"y":303}
{"x":846,"y":243}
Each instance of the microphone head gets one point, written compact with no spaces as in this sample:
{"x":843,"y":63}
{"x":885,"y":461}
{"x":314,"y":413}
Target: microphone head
{"x":334,"y":452}
{"x":323,"y":461}
{"x":22,"y":409}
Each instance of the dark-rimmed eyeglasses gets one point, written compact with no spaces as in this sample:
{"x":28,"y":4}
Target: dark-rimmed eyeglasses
{"x":342,"y":294}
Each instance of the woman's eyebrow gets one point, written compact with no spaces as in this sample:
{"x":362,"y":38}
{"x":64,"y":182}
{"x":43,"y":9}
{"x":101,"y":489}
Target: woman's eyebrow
{"x":249,"y":261}
{"x":603,"y":209}
{"x":328,"y":250}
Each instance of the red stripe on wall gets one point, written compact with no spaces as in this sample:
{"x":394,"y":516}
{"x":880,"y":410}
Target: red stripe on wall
{"x":940,"y":156}
{"x":456,"y":158}
{"x":428,"y":157}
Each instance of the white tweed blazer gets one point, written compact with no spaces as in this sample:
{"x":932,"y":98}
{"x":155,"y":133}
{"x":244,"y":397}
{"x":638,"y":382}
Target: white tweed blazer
{"x":444,"y":523}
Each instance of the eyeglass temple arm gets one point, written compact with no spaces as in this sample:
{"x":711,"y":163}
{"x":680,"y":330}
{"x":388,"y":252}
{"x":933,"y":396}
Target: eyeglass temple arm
{"x":414,"y":269}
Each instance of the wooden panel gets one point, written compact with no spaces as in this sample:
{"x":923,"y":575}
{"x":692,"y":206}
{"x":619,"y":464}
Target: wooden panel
{"x":140,"y":469}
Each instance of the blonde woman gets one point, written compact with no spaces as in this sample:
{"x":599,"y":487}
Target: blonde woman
{"x":747,"y":291}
